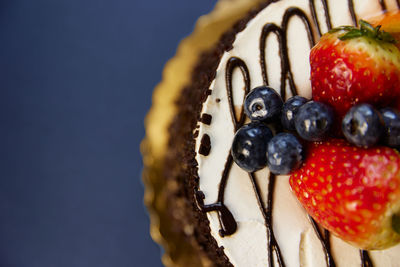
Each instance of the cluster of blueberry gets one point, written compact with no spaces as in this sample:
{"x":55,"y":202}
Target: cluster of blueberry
{"x":364,"y":126}
{"x":254,"y":146}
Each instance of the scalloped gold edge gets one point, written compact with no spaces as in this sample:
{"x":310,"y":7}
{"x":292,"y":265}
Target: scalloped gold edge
{"x":176,"y":75}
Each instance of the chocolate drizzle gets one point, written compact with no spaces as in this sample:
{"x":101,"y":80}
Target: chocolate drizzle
{"x":315,"y":18}
{"x":383,"y":5}
{"x":273,"y":246}
{"x":228,"y":223}
{"x":226,"y":219}
{"x":325,"y":241}
{"x":365,"y":259}
{"x":352,"y":12}
{"x":234,"y":63}
{"x":281,"y":33}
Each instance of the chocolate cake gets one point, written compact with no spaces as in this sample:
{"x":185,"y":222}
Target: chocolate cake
{"x":231,"y":217}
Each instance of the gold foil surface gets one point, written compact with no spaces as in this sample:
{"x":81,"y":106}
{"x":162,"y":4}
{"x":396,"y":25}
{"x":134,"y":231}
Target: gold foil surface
{"x":178,"y":251}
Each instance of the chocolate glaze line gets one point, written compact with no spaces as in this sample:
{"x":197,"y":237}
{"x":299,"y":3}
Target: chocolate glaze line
{"x":267,"y":29}
{"x":325,"y":241}
{"x":352,"y":12}
{"x":281,"y":33}
{"x":398,"y":3}
{"x":234,"y":63}
{"x":291,"y":12}
{"x":326,"y":13}
{"x":365,"y":259}
{"x":271,"y":237}
{"x":267,"y":214}
{"x":383,"y":5}
{"x":227,"y":221}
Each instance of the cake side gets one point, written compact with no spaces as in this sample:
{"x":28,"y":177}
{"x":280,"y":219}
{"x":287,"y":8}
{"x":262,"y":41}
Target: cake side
{"x":183,"y":172}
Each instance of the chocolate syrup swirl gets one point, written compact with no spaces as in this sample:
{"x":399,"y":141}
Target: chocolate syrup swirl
{"x":227,"y":221}
{"x":315,"y":18}
{"x":325,"y":241}
{"x":383,"y":5}
{"x":352,"y":12}
{"x":365,"y":259}
{"x":234,"y":63}
{"x":281,"y":33}
{"x":267,"y":214}
{"x":267,"y":29}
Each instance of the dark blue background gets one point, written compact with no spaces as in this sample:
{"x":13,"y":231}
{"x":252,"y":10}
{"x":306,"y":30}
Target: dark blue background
{"x":76,"y":78}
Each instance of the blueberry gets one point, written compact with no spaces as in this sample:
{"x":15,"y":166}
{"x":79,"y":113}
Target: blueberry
{"x":249,"y":146}
{"x":263,"y":104}
{"x":391,"y":118}
{"x":313,"y":121}
{"x":290,"y":109}
{"x":362,"y":125}
{"x":285,"y":153}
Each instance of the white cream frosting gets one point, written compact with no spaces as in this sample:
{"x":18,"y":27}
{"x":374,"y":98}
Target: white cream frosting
{"x":297,"y":240}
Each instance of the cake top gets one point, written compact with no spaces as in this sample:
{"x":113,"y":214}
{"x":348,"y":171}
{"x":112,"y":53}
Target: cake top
{"x":254,"y":216}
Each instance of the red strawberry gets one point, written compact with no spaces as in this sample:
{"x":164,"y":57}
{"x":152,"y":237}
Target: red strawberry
{"x":353,"y":192}
{"x":350,"y":66}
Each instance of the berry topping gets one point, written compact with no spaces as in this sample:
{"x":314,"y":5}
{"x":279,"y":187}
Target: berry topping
{"x":362,"y":125}
{"x":353,"y":192}
{"x":351,"y":66}
{"x":249,"y":147}
{"x":313,"y":121}
{"x":391,"y":117}
{"x":263,"y":104}
{"x":285,"y":153}
{"x":290,"y":108}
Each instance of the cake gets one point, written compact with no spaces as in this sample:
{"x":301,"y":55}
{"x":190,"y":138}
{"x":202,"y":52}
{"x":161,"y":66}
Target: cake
{"x":233,"y":218}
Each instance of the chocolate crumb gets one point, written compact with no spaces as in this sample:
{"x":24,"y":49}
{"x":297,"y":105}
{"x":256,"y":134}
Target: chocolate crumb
{"x":206,"y":118}
{"x":205,"y":145}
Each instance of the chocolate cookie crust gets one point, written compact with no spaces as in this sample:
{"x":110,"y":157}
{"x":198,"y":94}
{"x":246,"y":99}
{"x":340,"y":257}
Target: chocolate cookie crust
{"x":180,"y":163}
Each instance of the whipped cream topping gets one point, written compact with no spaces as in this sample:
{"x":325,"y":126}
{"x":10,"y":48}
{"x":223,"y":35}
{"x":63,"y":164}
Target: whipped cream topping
{"x":263,"y":212}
